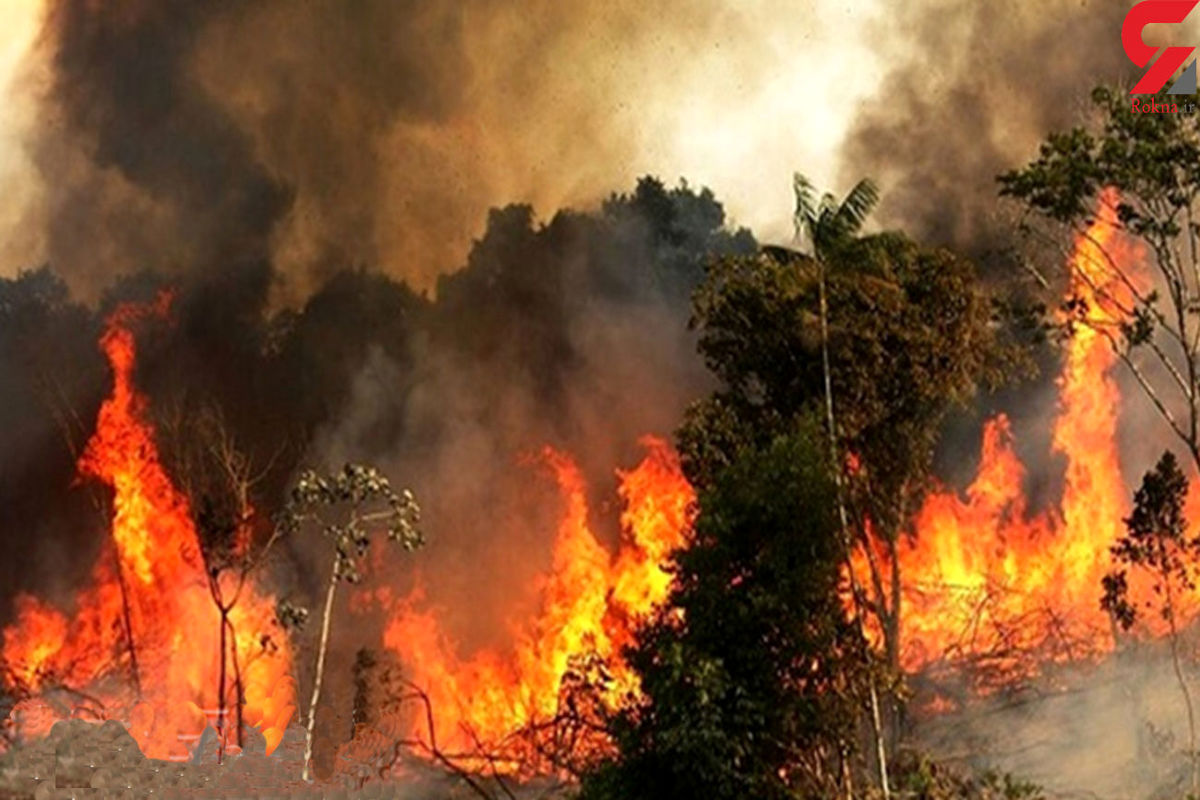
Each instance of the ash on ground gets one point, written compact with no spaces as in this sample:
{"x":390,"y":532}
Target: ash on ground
{"x":81,"y":759}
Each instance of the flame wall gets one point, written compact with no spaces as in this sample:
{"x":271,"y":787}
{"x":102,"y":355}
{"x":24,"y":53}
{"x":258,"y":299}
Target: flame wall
{"x":174,"y":622}
{"x":990,"y":583}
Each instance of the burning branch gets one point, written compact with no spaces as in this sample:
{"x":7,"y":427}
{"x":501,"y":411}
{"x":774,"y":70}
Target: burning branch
{"x":431,"y":749}
{"x":216,"y":477}
{"x":564,"y":744}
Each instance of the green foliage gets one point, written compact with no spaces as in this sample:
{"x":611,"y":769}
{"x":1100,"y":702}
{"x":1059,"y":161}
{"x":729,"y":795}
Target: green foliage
{"x":1153,"y":159}
{"x":910,"y":334}
{"x":828,"y":223}
{"x":361,"y":499}
{"x":751,"y":672}
{"x":919,"y":778}
{"x":1156,"y":541}
{"x":291,"y":616}
{"x":753,"y":675}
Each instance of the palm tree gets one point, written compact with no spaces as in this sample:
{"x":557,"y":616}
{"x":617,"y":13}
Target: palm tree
{"x":828,"y":225}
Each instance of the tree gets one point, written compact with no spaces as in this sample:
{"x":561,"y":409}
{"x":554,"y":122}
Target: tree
{"x":909,"y":334}
{"x":218,"y":480}
{"x":1157,"y":544}
{"x":344,"y":507}
{"x":751,"y":674}
{"x":1128,"y":180}
{"x":828,"y":226}
{"x":888,"y":333}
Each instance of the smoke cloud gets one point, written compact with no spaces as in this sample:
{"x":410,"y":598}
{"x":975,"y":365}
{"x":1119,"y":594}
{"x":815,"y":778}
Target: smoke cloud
{"x":316,"y":135}
{"x":315,"y":180}
{"x":975,"y":87}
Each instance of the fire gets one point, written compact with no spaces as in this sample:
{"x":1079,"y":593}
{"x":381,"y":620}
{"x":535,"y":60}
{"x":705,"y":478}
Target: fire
{"x":174,"y":622}
{"x":989,"y":584}
{"x":984,"y":579}
{"x":591,"y":601}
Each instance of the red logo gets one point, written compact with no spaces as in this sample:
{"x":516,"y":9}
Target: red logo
{"x":1149,"y":12}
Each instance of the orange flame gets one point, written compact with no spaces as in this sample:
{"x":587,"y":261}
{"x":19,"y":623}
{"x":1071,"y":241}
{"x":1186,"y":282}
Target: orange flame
{"x":174,"y":621}
{"x":590,"y":603}
{"x":983,"y":578}
{"x":984,"y":582}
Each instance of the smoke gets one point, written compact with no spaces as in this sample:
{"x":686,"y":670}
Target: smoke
{"x":975,"y":87}
{"x":577,"y":339}
{"x":1115,"y":729}
{"x":971,"y":92}
{"x":315,"y":179}
{"x":316,"y":135}
{"x":570,"y":333}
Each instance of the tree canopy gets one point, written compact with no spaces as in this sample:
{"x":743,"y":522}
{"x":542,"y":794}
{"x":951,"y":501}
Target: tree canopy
{"x":749,"y":674}
{"x":1127,"y":184}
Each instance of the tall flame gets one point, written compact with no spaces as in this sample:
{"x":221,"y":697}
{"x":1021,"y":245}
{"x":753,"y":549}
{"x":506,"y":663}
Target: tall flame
{"x":161,"y":588}
{"x":984,"y":581}
{"x":591,"y":601}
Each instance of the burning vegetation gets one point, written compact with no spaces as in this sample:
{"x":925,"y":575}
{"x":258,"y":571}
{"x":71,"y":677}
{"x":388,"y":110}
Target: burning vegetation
{"x":681,"y":570}
{"x":993,"y":585}
{"x":148,"y":604}
{"x":666,"y":501}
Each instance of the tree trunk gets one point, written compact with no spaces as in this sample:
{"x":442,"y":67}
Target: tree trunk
{"x":836,"y":466}
{"x":847,"y":775}
{"x":892,"y":637}
{"x":316,"y":692}
{"x":1187,"y":695}
{"x":240,"y":693}
{"x":221,"y":690}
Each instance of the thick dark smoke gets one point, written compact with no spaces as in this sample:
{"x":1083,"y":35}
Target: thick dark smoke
{"x":973,"y":88}
{"x":146,"y":170}
{"x":140,"y":155}
{"x":572,"y":333}
{"x":319,"y":134}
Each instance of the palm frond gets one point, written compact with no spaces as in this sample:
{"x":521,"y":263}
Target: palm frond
{"x":825,"y":230}
{"x":806,"y":210}
{"x":827,"y":222}
{"x":853,"y":211}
